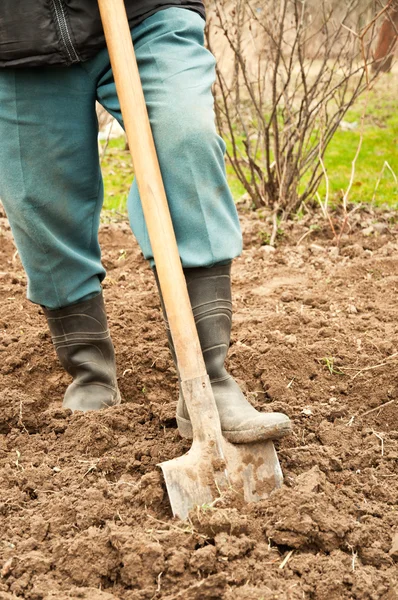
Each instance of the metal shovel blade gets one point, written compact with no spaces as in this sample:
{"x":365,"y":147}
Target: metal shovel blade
{"x":195,"y":479}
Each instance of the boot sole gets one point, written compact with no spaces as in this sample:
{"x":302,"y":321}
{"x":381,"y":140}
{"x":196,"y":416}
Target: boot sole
{"x":245,"y":436}
{"x":115,"y":402}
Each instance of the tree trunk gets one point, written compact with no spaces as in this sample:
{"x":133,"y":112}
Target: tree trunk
{"x":386,"y":41}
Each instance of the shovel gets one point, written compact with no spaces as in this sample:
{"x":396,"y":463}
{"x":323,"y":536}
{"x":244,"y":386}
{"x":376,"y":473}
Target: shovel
{"x":212,"y":465}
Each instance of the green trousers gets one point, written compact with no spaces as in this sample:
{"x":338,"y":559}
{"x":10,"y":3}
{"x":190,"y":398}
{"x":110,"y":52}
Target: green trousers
{"x":50,"y":177}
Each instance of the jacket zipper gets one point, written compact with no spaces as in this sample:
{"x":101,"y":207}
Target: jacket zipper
{"x":59,"y":10}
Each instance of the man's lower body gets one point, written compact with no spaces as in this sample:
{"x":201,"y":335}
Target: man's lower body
{"x":51,"y":188}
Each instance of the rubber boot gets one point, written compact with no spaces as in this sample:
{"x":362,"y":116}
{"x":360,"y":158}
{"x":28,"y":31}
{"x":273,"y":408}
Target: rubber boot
{"x":210,"y":294}
{"x":84,"y":347}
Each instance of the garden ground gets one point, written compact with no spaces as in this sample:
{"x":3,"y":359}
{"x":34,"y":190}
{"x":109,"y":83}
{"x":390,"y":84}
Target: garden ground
{"x":83,"y":509}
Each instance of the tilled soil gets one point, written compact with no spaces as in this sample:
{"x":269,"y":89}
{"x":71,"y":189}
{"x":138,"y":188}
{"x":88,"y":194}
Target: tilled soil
{"x":83,"y":509}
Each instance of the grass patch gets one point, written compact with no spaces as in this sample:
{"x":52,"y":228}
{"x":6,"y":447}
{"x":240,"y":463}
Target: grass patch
{"x":118,"y":175}
{"x":379,"y":145}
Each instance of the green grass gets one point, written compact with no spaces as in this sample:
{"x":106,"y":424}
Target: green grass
{"x":379,"y":145}
{"x":118,"y":175}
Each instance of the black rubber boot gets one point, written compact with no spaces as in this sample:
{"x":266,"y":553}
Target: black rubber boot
{"x":210,"y":294}
{"x":84,"y":347}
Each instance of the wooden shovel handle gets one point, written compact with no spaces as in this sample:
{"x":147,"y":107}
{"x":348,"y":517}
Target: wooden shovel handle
{"x":154,"y":203}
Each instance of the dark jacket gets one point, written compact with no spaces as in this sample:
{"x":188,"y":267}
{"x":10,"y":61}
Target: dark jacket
{"x":63,"y":32}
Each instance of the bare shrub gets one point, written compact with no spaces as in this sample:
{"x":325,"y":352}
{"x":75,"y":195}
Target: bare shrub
{"x":288,"y":71}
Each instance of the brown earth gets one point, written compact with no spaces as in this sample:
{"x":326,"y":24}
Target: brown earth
{"x":83,"y":510}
